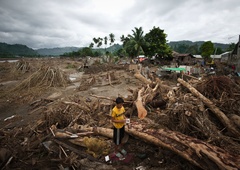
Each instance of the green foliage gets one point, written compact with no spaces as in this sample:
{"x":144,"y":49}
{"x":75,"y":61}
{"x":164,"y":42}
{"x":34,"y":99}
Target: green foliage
{"x":156,"y":43}
{"x":111,"y":38}
{"x":194,"y":47}
{"x":16,"y":50}
{"x":96,"y":53}
{"x":137,"y":41}
{"x":91,"y":45}
{"x":207,"y":49}
{"x":130,"y":50}
{"x":121,"y":52}
{"x":219,"y":51}
{"x":57,"y":51}
{"x":99,"y":41}
{"x":86,"y":51}
{"x":231,"y":47}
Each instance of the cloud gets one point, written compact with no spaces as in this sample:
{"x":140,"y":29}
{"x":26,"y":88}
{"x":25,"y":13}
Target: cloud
{"x":59,"y":23}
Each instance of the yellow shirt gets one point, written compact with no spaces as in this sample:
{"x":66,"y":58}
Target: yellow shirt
{"x":118,"y":114}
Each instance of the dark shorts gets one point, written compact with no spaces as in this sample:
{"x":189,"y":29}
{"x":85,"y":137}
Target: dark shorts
{"x":118,"y":134}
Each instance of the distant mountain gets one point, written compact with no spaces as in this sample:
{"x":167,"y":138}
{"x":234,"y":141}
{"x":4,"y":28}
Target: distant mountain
{"x":60,"y":51}
{"x":114,"y":48}
{"x":7,"y":50}
{"x":110,"y":49}
{"x":56,"y":51}
{"x":174,"y":44}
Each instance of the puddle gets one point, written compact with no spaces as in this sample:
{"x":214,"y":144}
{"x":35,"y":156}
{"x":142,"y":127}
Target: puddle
{"x":10,"y":61}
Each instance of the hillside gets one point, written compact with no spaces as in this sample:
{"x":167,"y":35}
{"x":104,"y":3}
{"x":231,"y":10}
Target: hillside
{"x":187,"y":46}
{"x":56,"y":51}
{"x":7,"y":50}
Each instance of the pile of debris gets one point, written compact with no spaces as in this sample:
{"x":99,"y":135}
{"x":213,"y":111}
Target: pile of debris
{"x":182,"y":126}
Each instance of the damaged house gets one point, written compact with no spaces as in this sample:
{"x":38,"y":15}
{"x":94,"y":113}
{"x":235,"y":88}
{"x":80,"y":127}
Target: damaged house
{"x":234,"y":58}
{"x":183,"y":59}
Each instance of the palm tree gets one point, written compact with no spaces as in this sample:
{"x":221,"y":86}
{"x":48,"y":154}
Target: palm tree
{"x":124,"y":40}
{"x":111,"y":38}
{"x":99,"y":42}
{"x":91,"y":45}
{"x":95,"y":40}
{"x":137,"y":39}
{"x":105,"y":40}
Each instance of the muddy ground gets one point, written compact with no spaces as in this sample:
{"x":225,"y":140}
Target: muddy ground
{"x":28,"y":110}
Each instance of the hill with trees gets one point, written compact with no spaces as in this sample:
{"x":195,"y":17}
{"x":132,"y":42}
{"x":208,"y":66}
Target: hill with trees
{"x":7,"y":50}
{"x":57,"y":51}
{"x":186,"y":46}
{"x":131,"y":46}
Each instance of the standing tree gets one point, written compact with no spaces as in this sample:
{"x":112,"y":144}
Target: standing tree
{"x":157,"y":43}
{"x":98,"y":41}
{"x":137,"y":40}
{"x":91,"y":45}
{"x":95,"y":40}
{"x":111,"y":38}
{"x":124,"y":40}
{"x":105,"y":41}
{"x":193,"y":49}
{"x":231,"y":47}
{"x":207,"y":48}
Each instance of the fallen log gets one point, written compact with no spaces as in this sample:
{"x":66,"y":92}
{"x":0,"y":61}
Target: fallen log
{"x":221,"y":116}
{"x":199,"y":153}
{"x":142,"y":112}
{"x":139,"y":76}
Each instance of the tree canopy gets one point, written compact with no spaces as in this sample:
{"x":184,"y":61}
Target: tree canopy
{"x":207,"y":49}
{"x":156,"y":43}
{"x":137,"y":40}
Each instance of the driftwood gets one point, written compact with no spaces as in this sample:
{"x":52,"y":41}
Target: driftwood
{"x":77,"y":151}
{"x":142,"y":112}
{"x":139,"y":76}
{"x":102,"y":97}
{"x":190,"y":76}
{"x":109,"y":78}
{"x":86,"y":109}
{"x":221,"y":116}
{"x":199,"y":153}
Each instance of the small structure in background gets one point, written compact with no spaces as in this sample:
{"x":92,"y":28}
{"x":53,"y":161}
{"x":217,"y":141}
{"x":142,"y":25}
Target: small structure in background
{"x":183,"y":59}
{"x":234,"y":59}
{"x":225,"y":56}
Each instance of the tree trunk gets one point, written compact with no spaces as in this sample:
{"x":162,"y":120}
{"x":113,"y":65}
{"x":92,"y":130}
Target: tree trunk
{"x":221,"y":116}
{"x":142,"y":78}
{"x":199,"y":153}
{"x":142,"y":112}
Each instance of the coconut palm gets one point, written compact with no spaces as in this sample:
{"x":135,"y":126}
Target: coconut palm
{"x":137,"y":39}
{"x":111,"y":38}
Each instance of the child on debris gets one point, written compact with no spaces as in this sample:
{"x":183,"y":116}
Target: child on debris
{"x":119,"y":120}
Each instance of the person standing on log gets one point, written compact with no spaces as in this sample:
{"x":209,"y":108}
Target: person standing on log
{"x":119,"y":120}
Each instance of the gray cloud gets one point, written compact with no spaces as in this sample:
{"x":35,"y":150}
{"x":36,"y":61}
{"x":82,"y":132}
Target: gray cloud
{"x":59,"y":23}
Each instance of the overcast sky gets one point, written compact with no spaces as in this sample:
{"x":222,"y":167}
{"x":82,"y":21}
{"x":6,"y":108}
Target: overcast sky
{"x":60,"y":23}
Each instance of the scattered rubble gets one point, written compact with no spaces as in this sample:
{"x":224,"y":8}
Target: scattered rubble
{"x":183,"y":123}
